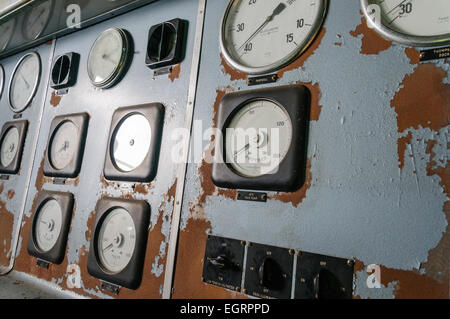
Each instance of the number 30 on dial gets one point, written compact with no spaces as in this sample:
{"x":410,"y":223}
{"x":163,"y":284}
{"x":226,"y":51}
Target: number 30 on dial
{"x":261,"y":36}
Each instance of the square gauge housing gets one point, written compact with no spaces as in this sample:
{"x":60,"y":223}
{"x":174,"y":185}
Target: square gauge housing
{"x":268,"y":271}
{"x":223,"y":264}
{"x":56,"y":254}
{"x":131,"y":276}
{"x":166,"y":42}
{"x":64,"y":71}
{"x":290,"y":176}
{"x":72,"y":169}
{"x":116,"y":169}
{"x":22,"y":127}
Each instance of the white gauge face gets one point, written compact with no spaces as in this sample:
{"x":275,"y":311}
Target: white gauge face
{"x":116,"y":240}
{"x":263,"y":35}
{"x":6,"y":32}
{"x":63,"y":145}
{"x":10,"y":146}
{"x":106,"y":58}
{"x":24,"y":82}
{"x":36,"y":20}
{"x":48,"y":225}
{"x":258,"y":138}
{"x":131,"y":142}
{"x":416,"y":17}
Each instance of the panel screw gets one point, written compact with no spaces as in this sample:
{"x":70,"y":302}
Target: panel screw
{"x":244,"y":291}
{"x":350,"y":262}
{"x":291,"y":251}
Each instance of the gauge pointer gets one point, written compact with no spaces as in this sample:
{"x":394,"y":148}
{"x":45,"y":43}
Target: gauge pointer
{"x":108,"y":247}
{"x":65,"y":147}
{"x":37,"y":18}
{"x":275,"y":12}
{"x":26,"y":83}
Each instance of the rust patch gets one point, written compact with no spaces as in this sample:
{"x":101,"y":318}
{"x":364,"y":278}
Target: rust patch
{"x":55,"y":99}
{"x":401,"y":146}
{"x":371,"y":42}
{"x":6,"y":225}
{"x":413,"y":55}
{"x":316,"y":95}
{"x":233,"y":73}
{"x":11,"y":194}
{"x":2,"y":187}
{"x":297,"y":197}
{"x":298,"y":63}
{"x":141,"y":188}
{"x":175,"y":74}
{"x":424,"y":100}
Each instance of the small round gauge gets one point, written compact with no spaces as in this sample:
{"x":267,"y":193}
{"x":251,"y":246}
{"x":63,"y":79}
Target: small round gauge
{"x":107,"y":58}
{"x":24,"y":82}
{"x":63,"y":145}
{"x":48,"y":225}
{"x":36,"y":20}
{"x":262,"y":36}
{"x":6,"y":33}
{"x":258,"y":138}
{"x":131,"y":142}
{"x":116,"y":240}
{"x":10,"y":146}
{"x":411,"y":22}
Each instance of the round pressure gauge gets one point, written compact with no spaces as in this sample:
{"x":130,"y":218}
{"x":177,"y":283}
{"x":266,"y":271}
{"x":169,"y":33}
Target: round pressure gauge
{"x":36,"y":19}
{"x":24,"y":82}
{"x":6,"y":33}
{"x":131,"y":142}
{"x":48,"y":225}
{"x":410,"y":22}
{"x":258,"y":138}
{"x":262,"y":36}
{"x":116,"y":240}
{"x":9,"y":146}
{"x":63,"y":145}
{"x":108,"y":57}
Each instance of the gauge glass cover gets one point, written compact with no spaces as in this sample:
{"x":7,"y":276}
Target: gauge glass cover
{"x":262,"y":36}
{"x":6,"y":33}
{"x":36,"y":20}
{"x":24,"y":82}
{"x":10,"y":146}
{"x":63,"y":146}
{"x":116,"y":240}
{"x":48,"y":225}
{"x":258,"y":138}
{"x":131,"y":142}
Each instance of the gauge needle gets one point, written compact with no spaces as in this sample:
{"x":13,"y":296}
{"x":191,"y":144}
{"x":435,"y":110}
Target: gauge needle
{"x":38,"y":16}
{"x":108,"y":247}
{"x":12,"y":147}
{"x":107,"y":58}
{"x":65,"y":147}
{"x":275,"y":12}
{"x":26,"y":83}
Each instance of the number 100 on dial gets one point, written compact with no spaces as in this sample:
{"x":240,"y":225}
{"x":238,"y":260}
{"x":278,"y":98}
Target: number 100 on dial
{"x":261,"y":36}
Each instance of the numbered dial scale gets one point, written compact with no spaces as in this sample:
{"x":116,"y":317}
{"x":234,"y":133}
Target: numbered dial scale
{"x":12,"y":141}
{"x":109,"y":57}
{"x":36,"y":19}
{"x":263,"y":144}
{"x":134,"y":143}
{"x":260,"y":36}
{"x":119,"y":241}
{"x":411,"y":22}
{"x":50,"y":226}
{"x":24,"y":82}
{"x":66,"y":145}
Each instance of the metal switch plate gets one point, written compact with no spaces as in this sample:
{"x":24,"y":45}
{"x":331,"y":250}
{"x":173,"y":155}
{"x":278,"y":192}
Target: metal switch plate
{"x":323,"y":277}
{"x":223,"y":263}
{"x":269,"y":271}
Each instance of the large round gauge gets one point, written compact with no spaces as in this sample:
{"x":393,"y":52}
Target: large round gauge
{"x":260,"y":36}
{"x":64,"y":144}
{"x":108,"y":57}
{"x":6,"y":33}
{"x":48,"y":225}
{"x":258,"y":138}
{"x":36,"y":20}
{"x":24,"y":82}
{"x":131,"y":142}
{"x":410,"y":22}
{"x":116,"y":240}
{"x":9,"y":146}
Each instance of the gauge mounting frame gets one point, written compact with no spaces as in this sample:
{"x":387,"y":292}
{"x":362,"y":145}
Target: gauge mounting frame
{"x":278,"y":64}
{"x":81,"y":121}
{"x":130,"y":277}
{"x":401,"y":38}
{"x":22,"y":127}
{"x":57,"y":253}
{"x":295,"y":99}
{"x":147,"y":170}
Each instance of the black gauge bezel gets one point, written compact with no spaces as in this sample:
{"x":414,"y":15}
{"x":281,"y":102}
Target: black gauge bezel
{"x":22,"y":127}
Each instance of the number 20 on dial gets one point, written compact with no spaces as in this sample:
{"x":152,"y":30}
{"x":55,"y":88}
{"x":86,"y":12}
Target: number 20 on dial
{"x":261,"y":36}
